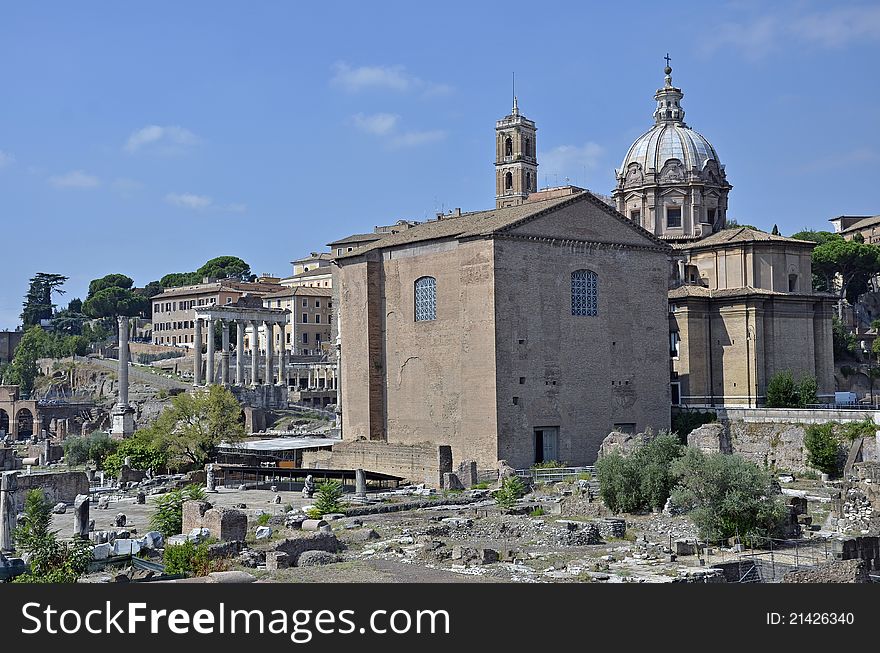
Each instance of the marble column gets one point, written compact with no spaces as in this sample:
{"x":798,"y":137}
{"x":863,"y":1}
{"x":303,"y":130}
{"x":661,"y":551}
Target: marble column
{"x":255,"y":354}
{"x":197,"y":354}
{"x":224,"y":354}
{"x":81,"y":516}
{"x":209,"y":373}
{"x":270,"y":350}
{"x":122,"y":400}
{"x":239,"y":353}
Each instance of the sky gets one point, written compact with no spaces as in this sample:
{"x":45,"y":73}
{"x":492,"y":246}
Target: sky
{"x":146,"y":138}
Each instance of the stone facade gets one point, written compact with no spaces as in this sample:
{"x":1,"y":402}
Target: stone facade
{"x":504,"y":358}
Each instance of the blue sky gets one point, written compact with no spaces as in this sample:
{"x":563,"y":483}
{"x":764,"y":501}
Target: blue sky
{"x":146,"y":138}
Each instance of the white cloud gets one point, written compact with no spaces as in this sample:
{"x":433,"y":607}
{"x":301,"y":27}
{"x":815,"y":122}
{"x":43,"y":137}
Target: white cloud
{"x":570,"y":161}
{"x":202,"y":203}
{"x":6,"y":159}
{"x":415,"y":138}
{"x":354,"y":79}
{"x":189,"y":200}
{"x":832,"y":28}
{"x":75,"y":179}
{"x":168,"y":139}
{"x":377,"y":123}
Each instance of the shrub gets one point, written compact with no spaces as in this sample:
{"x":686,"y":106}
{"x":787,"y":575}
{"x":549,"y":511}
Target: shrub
{"x":263,"y":519}
{"x":863,"y":429}
{"x":549,"y":464}
{"x":726,"y":495}
{"x":784,"y":392}
{"x":145,"y":455}
{"x":188,"y":558}
{"x":168,"y":517}
{"x":95,"y":447}
{"x":50,"y":561}
{"x":328,"y":499}
{"x":685,"y":421}
{"x":480,"y":486}
{"x":537,"y":512}
{"x":512,"y":489}
{"x":822,"y":447}
{"x":641,"y":480}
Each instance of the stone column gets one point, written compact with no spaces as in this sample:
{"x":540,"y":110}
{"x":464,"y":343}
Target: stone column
{"x":282,"y":360}
{"x":239,"y":353}
{"x":209,"y":372}
{"x":255,"y":354}
{"x":81,"y":516}
{"x":360,"y":483}
{"x":8,"y":486}
{"x":197,"y":354}
{"x":270,"y":350}
{"x":122,"y":400}
{"x":224,"y":355}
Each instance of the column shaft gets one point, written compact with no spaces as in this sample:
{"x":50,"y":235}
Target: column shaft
{"x":209,"y":373}
{"x":197,"y":353}
{"x":239,"y":353}
{"x":224,"y":355}
{"x":255,"y":354}
{"x":270,"y":347}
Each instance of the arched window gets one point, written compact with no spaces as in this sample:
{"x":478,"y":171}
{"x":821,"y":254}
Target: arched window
{"x":508,"y":181}
{"x":584,"y":293}
{"x":527,"y":147}
{"x":528,"y":181}
{"x":425,"y":299}
{"x":508,"y":147}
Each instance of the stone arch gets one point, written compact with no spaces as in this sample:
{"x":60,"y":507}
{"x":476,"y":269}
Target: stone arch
{"x":24,"y":423}
{"x":4,"y":421}
{"x":508,"y":146}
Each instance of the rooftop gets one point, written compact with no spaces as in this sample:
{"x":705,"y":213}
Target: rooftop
{"x":739,"y":235}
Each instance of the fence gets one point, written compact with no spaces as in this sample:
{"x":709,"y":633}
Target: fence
{"x":554,"y":474}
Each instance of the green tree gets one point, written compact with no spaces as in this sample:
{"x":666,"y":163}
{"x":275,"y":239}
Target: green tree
{"x":145,"y":454}
{"x":821,"y":282}
{"x":822,"y":448}
{"x":95,"y":447}
{"x":168,"y":516}
{"x":23,"y":370}
{"x":225,"y":267}
{"x":512,"y":489}
{"x":152,"y":289}
{"x":733,"y":224}
{"x":847,"y":261}
{"x":38,"y":303}
{"x":195,"y":423}
{"x":114,"y":301}
{"x":784,"y":392}
{"x":641,"y":480}
{"x":843,"y":342}
{"x":726,"y":495}
{"x":49,"y":560}
{"x":328,"y":499}
{"x":109,"y":281}
{"x":178,"y":279}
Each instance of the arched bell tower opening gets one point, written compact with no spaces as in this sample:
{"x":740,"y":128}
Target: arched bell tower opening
{"x":516,"y":168}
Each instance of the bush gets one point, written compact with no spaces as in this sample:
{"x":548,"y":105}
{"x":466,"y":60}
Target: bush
{"x":854,"y":430}
{"x":188,"y":558}
{"x":549,"y":464}
{"x":263,"y":519}
{"x":685,"y":421}
{"x":822,"y":448}
{"x":537,"y":512}
{"x":480,"y":486}
{"x":512,"y":489}
{"x":168,"y":517}
{"x":95,"y":447}
{"x":50,"y":561}
{"x":784,"y":392}
{"x":145,"y":455}
{"x":726,"y":495}
{"x":642,"y":480}
{"x":328,"y":499}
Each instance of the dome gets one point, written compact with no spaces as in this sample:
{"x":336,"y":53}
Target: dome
{"x":670,"y":140}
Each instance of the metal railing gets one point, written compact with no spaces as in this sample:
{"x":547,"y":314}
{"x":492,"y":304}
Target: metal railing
{"x":551,"y":474}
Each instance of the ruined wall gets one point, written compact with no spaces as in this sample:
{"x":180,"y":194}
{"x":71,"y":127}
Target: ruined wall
{"x":61,"y":487}
{"x":420,"y":463}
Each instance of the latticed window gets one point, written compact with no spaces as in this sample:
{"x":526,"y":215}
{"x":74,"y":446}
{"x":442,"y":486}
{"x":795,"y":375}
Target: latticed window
{"x":584,"y":293}
{"x":426,"y":299}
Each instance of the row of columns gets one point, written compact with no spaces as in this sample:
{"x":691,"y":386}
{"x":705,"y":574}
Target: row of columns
{"x":241,"y":325}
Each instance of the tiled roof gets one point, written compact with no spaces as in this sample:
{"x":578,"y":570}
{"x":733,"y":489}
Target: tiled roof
{"x":356,"y":238}
{"x":217,"y":286}
{"x":862,"y":224}
{"x":300,"y":291}
{"x":487,"y":223}
{"x":739,"y":235}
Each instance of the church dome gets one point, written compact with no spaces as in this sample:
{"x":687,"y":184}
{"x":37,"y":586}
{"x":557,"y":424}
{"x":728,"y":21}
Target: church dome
{"x":670,"y":140}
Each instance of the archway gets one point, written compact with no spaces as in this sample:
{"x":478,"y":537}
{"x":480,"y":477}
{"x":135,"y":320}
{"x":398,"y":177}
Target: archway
{"x":4,"y":421}
{"x":25,"y":423}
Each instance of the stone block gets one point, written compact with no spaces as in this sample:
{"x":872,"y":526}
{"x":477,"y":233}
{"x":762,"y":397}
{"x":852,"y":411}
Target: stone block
{"x":263,"y":532}
{"x":277,"y":560}
{"x":313,"y":524}
{"x":295,"y":546}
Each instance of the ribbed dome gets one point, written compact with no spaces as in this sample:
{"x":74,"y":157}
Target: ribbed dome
{"x":670,"y":140}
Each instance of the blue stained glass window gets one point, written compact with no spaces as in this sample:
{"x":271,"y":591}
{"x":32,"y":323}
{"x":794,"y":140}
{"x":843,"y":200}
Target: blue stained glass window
{"x":584,"y":293}
{"x":426,"y":299}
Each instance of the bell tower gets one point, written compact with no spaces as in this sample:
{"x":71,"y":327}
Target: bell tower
{"x":516,"y":165}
